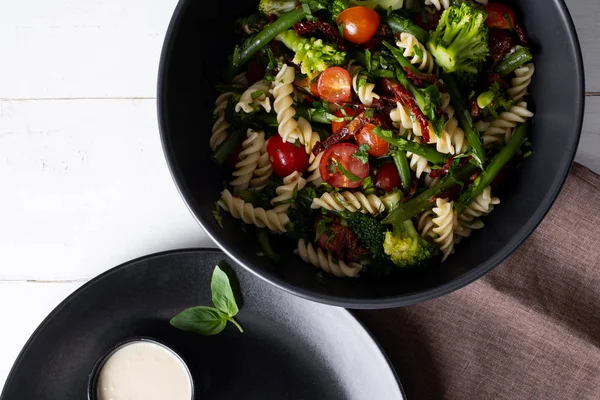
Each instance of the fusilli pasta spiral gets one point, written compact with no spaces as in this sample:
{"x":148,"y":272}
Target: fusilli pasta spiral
{"x":444,"y":222}
{"x":315,"y":173}
{"x":239,"y":209}
{"x":326,"y":262}
{"x":249,"y":156}
{"x":502,"y":128}
{"x":292,"y":182}
{"x":408,"y":42}
{"x":263,"y":170}
{"x":438,"y":4}
{"x":520,"y":83}
{"x":307,"y":136}
{"x":353,"y":202}
{"x":283,"y":104}
{"x":246,"y":102}
{"x":219,"y":129}
{"x":468,"y":220}
{"x":362,"y":88}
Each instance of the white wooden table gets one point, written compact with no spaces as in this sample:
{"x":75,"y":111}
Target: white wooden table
{"x":84,"y":185}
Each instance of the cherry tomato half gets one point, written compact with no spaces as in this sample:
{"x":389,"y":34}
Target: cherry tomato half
{"x":349,"y":112}
{"x":335,"y":85}
{"x":340,"y":169}
{"x":307,"y":85}
{"x":378,"y":146}
{"x":360,"y":24}
{"x":499,"y":16}
{"x":387,"y":178}
{"x":286,"y":157}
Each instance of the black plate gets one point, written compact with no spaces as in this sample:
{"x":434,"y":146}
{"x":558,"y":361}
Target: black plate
{"x":201,"y":37}
{"x":292,"y":348}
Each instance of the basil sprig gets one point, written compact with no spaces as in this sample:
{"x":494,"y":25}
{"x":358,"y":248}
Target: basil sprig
{"x":211,"y":320}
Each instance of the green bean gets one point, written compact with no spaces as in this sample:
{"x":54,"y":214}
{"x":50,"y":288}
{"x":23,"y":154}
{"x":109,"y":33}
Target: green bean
{"x":465,"y":120}
{"x":403,"y":61}
{"x":401,"y":24}
{"x":224,"y":150}
{"x":425,"y":200}
{"x":270,"y":31}
{"x":519,"y":56}
{"x":401,"y":162}
{"x":427,"y":152}
{"x":493,"y":169}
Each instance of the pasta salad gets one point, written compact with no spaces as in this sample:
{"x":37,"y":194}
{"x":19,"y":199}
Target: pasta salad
{"x":374,"y":134}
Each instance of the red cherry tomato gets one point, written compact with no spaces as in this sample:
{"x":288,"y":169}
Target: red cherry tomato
{"x":378,"y":146}
{"x":340,"y":169}
{"x":286,"y":157}
{"x":387,"y":177}
{"x":335,"y":85}
{"x":234,"y":157}
{"x":499,"y":16}
{"x":337,"y":126}
{"x":360,"y":24}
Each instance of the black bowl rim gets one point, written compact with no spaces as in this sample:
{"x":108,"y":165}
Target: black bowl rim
{"x":392,"y":301}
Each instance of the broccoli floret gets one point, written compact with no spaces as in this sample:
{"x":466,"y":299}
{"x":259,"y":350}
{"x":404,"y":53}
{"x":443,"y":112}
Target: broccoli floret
{"x":276,"y":7}
{"x":459,"y":43}
{"x":313,"y":55}
{"x":493,"y":102}
{"x":301,"y":225}
{"x":371,"y":234}
{"x":407,"y":249}
{"x":336,"y":7}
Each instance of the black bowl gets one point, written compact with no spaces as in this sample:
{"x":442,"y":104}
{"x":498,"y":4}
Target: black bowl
{"x":196,"y":49}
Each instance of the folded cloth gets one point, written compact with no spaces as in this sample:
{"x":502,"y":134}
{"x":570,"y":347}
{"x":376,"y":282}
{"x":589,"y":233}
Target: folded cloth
{"x":530,"y":329}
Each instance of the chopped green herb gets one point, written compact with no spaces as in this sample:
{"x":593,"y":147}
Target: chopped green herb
{"x":217,"y":214}
{"x":363,"y":153}
{"x":418,"y":51}
{"x":257,"y":94}
{"x":351,"y":177}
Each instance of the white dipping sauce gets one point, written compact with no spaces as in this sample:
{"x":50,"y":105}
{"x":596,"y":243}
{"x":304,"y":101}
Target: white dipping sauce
{"x":144,"y":370}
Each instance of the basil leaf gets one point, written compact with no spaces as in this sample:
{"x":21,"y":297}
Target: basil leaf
{"x":203,"y":320}
{"x":363,"y":153}
{"x":351,"y":177}
{"x":222,"y":295}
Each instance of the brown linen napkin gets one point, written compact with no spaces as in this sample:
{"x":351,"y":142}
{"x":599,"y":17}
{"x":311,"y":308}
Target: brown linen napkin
{"x":530,"y":329}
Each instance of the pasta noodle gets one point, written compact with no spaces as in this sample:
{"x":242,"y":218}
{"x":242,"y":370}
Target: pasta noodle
{"x":219,"y":129}
{"x":362,"y":88}
{"x":425,"y":225}
{"x":315,"y":173}
{"x":263,"y":170}
{"x":408,"y":42}
{"x":438,"y":4}
{"x":520,"y":83}
{"x":468,"y":220}
{"x":239,"y":209}
{"x":283,"y":104}
{"x":444,"y":222}
{"x":249,"y":156}
{"x":246,"y":102}
{"x":502,"y":128}
{"x":353,"y":202}
{"x":326,"y":262}
{"x":307,"y":136}
{"x":291,"y":183}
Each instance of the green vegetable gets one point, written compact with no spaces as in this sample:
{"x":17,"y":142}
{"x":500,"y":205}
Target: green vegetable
{"x":493,"y":169}
{"x":427,"y":152}
{"x":265,"y":244}
{"x":276,"y":7}
{"x":401,"y":162}
{"x":362,"y":153}
{"x":221,"y":154}
{"x":211,"y":320}
{"x":465,"y":120}
{"x":243,"y":54}
{"x":312,"y":54}
{"x":513,"y":60}
{"x":392,"y":199}
{"x":301,"y":217}
{"x":494,"y":102}
{"x":459,"y":42}
{"x":399,"y":56}
{"x":317,"y":113}
{"x":371,"y":233}
{"x":407,"y":249}
{"x":217,"y":214}
{"x":367,"y":186}
{"x":425,"y":200}
{"x":336,"y":7}
{"x":384,"y":4}
{"x":351,"y":177}
{"x":401,"y":24}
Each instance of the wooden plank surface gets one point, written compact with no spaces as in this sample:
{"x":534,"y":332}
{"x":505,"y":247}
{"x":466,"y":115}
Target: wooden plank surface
{"x":585,"y":14}
{"x":81,"y":179}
